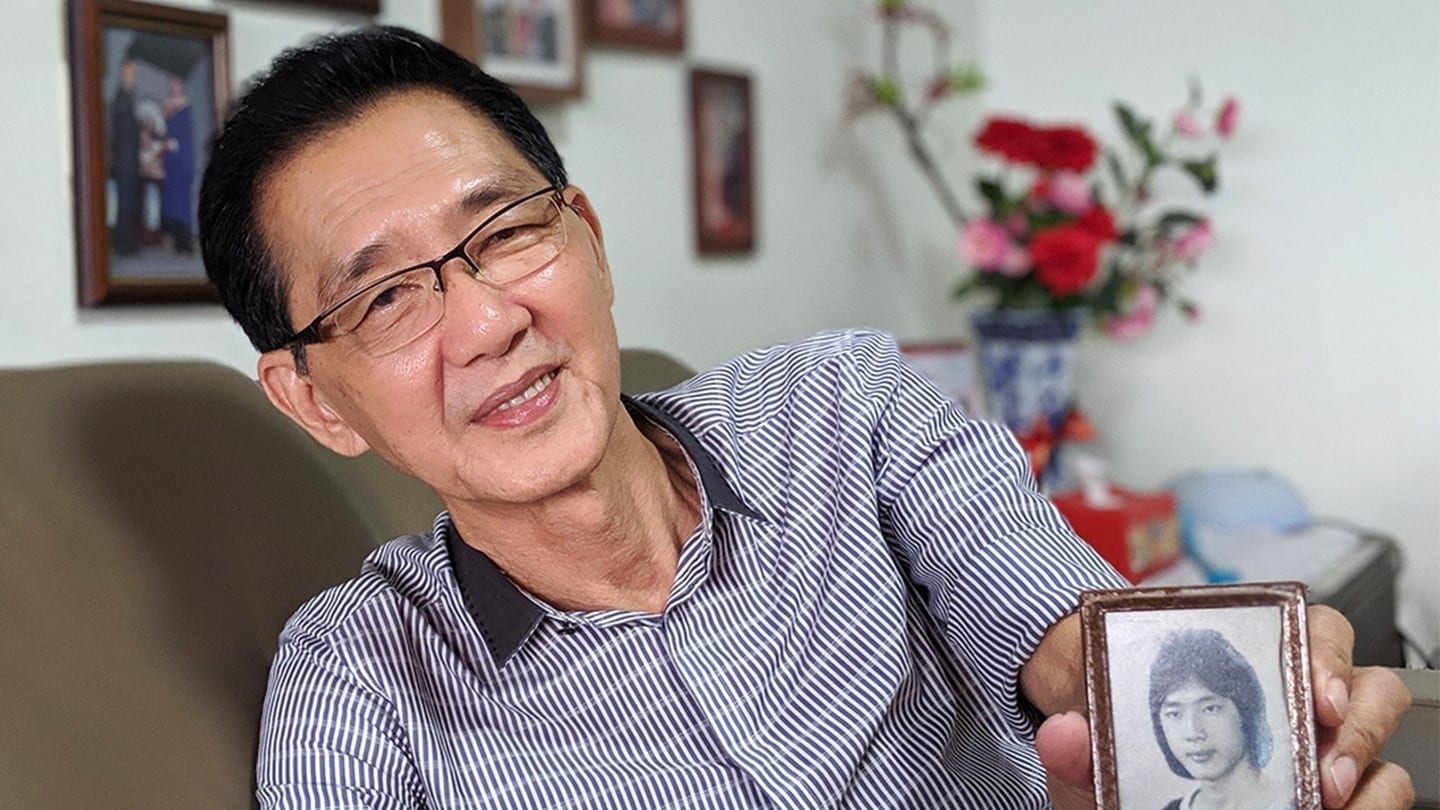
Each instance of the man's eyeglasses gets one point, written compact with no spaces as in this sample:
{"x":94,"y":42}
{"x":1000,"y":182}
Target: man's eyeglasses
{"x":395,"y":309}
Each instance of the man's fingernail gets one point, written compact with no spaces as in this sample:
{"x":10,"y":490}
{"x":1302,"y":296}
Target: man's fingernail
{"x":1343,"y":774}
{"x":1339,"y":696}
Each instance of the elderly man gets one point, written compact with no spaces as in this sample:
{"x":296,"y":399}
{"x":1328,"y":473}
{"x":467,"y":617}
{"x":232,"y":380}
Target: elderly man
{"x":802,"y":579}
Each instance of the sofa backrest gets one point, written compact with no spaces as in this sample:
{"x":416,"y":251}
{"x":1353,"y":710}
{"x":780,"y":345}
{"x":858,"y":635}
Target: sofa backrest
{"x":158,"y":523}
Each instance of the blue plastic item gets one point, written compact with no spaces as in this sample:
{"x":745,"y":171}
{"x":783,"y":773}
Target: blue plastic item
{"x":1232,"y":501}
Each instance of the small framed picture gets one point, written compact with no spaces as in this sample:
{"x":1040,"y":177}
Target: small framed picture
{"x":149,"y":87}
{"x":1201,"y":696}
{"x":651,"y":25}
{"x":535,"y":46}
{"x":723,"y":133}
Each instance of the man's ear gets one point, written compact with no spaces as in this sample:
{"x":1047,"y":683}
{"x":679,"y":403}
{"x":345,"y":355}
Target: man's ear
{"x":296,"y":396}
{"x":581,"y":205}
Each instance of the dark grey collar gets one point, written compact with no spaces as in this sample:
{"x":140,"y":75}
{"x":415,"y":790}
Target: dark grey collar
{"x":505,"y":616}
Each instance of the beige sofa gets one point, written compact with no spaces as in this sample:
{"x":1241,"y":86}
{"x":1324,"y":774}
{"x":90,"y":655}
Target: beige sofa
{"x":158,"y":523}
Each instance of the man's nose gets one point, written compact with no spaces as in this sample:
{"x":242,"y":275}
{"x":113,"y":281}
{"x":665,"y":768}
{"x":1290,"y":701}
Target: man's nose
{"x":480,"y":320}
{"x":1195,"y":726}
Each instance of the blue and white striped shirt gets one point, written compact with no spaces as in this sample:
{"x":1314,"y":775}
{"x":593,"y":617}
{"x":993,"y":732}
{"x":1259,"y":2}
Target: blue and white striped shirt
{"x":846,"y":626}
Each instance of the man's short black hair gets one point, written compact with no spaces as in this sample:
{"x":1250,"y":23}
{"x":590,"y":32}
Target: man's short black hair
{"x":1207,"y":658}
{"x":309,"y":91}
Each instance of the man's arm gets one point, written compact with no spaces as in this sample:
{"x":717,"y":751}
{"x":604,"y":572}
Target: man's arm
{"x":1357,"y":709}
{"x":328,"y":742}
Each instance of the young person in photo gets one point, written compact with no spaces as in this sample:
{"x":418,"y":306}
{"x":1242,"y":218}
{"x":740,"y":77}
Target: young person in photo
{"x":1208,"y":713}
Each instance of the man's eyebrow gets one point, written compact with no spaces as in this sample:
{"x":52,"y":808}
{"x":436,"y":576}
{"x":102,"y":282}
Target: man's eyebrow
{"x":363,"y":261}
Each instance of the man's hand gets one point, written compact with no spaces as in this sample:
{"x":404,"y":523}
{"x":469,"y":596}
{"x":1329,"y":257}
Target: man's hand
{"x":1356,"y":710}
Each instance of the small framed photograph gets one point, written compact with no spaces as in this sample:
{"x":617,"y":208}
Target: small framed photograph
{"x":723,"y":134}
{"x":535,"y":46}
{"x":651,"y":25}
{"x":149,"y":88}
{"x":1201,"y":696}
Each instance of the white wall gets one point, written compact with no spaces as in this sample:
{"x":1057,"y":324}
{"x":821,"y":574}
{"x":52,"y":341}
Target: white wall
{"x":1317,"y":356}
{"x":1319,"y":352}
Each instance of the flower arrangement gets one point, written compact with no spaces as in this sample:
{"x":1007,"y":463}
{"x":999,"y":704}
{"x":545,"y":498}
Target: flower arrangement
{"x":1053,"y":235}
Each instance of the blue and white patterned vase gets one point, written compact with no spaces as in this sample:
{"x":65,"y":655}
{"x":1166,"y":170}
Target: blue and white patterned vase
{"x":1027,"y":358}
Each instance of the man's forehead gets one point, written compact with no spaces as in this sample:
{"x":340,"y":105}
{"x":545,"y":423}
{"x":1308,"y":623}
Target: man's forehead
{"x":482,"y":166}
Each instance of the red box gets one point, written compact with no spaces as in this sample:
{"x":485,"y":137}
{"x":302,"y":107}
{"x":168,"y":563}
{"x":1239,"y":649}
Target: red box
{"x":1138,"y":537}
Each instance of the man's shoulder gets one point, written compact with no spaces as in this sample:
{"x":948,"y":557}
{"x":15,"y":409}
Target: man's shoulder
{"x":773,"y":373}
{"x":401,"y":575}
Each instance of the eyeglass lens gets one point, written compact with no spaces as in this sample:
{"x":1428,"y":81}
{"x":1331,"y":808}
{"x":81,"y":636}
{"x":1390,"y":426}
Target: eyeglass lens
{"x":516,"y":243}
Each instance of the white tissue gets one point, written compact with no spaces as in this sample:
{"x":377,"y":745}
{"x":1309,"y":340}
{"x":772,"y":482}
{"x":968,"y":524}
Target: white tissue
{"x":1089,"y":470}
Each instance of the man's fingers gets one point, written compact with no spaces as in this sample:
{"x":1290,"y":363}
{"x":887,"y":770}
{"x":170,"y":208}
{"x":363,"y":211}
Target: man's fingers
{"x":1377,"y":700}
{"x":1063,"y":743}
{"x":1384,"y":785}
{"x":1331,"y":642}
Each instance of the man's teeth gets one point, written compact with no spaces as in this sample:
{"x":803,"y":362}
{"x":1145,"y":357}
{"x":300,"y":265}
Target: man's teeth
{"x":529,"y":393}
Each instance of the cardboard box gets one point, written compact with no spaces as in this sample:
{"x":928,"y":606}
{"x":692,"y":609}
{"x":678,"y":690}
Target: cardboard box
{"x":1138,"y":537}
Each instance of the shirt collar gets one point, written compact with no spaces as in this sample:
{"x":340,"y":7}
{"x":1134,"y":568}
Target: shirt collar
{"x":505,"y":616}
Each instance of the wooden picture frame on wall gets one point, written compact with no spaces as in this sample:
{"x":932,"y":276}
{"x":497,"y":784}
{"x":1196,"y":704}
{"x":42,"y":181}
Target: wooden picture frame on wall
{"x":536,"y":47}
{"x":722,"y":123}
{"x":149,"y":88}
{"x":649,"y":25}
{"x":1200,"y":689}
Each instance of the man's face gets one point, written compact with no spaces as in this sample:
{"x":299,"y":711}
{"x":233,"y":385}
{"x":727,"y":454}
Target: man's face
{"x":401,"y":185}
{"x":1203,"y":731}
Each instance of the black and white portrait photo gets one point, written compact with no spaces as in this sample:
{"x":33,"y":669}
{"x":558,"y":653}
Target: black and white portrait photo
{"x":1199,"y":704}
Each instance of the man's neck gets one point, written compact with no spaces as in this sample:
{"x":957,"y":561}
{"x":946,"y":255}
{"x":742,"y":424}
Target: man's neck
{"x":1239,"y":789}
{"x":612,"y":542}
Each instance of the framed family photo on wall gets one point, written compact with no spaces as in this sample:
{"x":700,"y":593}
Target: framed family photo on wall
{"x":534,"y":46}
{"x":652,"y":25}
{"x":149,"y":86}
{"x":723,"y":134}
{"x":1201,"y":696}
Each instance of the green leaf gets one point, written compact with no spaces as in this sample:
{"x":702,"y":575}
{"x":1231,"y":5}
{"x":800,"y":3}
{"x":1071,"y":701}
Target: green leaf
{"x":1117,"y":172}
{"x":966,"y":79}
{"x":1204,"y":172}
{"x":993,"y":192}
{"x":1171,"y":220}
{"x":1137,"y":131}
{"x":886,"y":91}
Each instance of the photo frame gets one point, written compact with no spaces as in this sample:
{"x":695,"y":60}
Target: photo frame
{"x":722,"y":124}
{"x":149,"y":87}
{"x":649,"y":25}
{"x":1200,"y":689}
{"x":536,"y":47}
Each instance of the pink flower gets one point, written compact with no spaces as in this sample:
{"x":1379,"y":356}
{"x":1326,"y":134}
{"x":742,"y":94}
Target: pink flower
{"x":986,"y":246}
{"x":1139,"y":319}
{"x":1069,"y":192}
{"x":1193,"y":243}
{"x":1228,"y":117}
{"x":1187,"y":125}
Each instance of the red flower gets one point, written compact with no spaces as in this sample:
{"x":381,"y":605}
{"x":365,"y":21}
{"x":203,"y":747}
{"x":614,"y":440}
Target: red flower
{"x":1048,"y":148}
{"x":1065,"y":258}
{"x":1099,"y":223}
{"x":1067,"y":148}
{"x":1010,"y":138}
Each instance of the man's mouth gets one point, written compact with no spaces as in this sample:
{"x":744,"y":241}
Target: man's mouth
{"x":529,"y":393}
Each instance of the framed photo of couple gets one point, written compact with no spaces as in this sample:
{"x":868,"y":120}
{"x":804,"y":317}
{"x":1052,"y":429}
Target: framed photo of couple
{"x":149,"y":85}
{"x":1201,"y":695}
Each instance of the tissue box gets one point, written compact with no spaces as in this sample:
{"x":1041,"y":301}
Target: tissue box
{"x":1138,"y":537}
